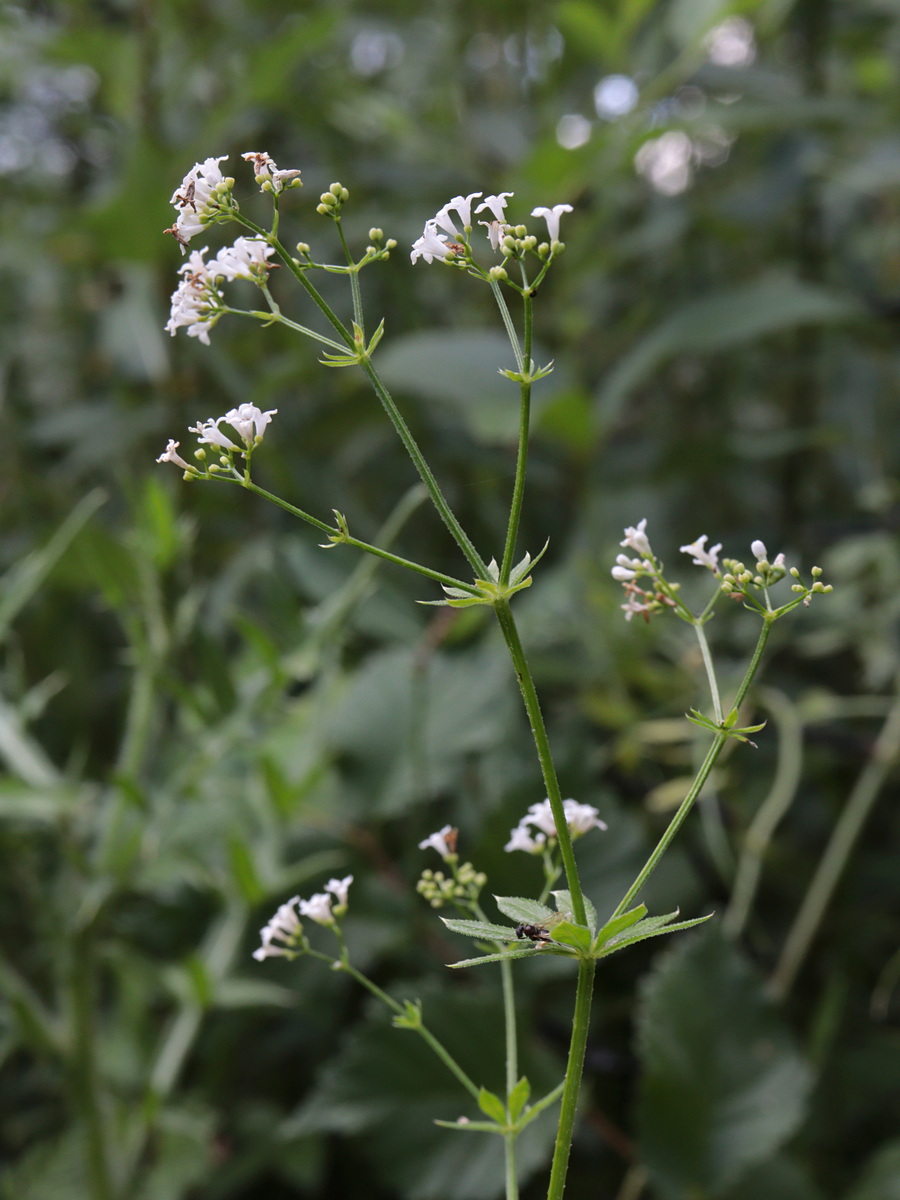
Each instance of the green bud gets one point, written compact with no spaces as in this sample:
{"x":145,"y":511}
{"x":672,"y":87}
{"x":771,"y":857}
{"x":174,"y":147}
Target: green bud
{"x":335,"y":189}
{"x":376,"y":234}
{"x":302,"y":248}
{"x":323,"y":210}
{"x":498,"y":273}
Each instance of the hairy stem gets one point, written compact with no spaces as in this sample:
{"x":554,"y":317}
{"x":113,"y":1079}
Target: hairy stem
{"x":572,"y":1085}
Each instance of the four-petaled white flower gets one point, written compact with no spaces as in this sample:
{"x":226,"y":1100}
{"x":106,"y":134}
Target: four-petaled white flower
{"x":444,"y":841}
{"x":339,"y":889}
{"x":285,"y":928}
{"x":198,"y":199}
{"x":636,"y":538}
{"x":496,"y":205}
{"x":317,"y":908}
{"x":196,"y":302}
{"x":170,"y":454}
{"x":246,"y":259}
{"x":430,"y":245}
{"x":267,"y":174}
{"x":551,"y":216}
{"x":703,"y":557}
{"x":462,"y":206}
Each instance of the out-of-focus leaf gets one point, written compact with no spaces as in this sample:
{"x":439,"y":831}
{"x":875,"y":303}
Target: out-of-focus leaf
{"x":390,"y":1085}
{"x":723,"y":1087}
{"x":460,"y":368}
{"x":771,"y":304}
{"x":780,"y":1179}
{"x":881,"y":1176}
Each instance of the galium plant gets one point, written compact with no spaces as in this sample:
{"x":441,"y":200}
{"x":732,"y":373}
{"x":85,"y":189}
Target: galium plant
{"x":511,"y":261}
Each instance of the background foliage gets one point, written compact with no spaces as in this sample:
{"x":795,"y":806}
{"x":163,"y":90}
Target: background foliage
{"x":201,"y":712}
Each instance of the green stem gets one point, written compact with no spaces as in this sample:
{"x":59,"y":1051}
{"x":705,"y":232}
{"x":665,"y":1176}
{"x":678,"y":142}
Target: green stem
{"x":521,"y":360}
{"x":354,"y":278}
{"x":412,"y":449}
{"x":710,"y":672}
{"x":542,"y":745}
{"x":865,"y":792}
{"x":348,"y":540}
{"x":515,"y":510}
{"x":509,"y":1157}
{"x":444,"y":1055}
{"x":687,"y":804}
{"x":574,"y":1070}
{"x":770,"y":812}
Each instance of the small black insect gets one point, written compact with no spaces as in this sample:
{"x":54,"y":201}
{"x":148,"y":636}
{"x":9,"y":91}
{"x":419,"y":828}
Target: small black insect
{"x":537,"y":933}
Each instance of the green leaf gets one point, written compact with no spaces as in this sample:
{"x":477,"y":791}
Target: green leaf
{"x":458,"y":367}
{"x":572,"y":935}
{"x":523,"y":911}
{"x":492,"y":1106}
{"x":518,"y":1098}
{"x":479,"y":929}
{"x":492,"y":958}
{"x":563,"y":900}
{"x":617,"y":924}
{"x":651,"y":927}
{"x":722,"y":1085}
{"x":881,"y":1177}
{"x":727,"y":318}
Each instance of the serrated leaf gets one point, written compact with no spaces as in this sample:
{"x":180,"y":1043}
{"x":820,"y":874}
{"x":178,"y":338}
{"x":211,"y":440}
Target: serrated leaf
{"x":524,"y":911}
{"x":479,"y":929}
{"x":652,"y":927}
{"x":492,"y":1106}
{"x":617,"y":924}
{"x":722,"y":1085}
{"x":492,"y":958}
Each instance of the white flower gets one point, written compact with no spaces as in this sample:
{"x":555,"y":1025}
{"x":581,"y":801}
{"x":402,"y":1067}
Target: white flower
{"x":284,"y":927}
{"x":623,"y":573}
{"x":267,"y":174}
{"x":495,"y":231}
{"x":521,"y":839}
{"x":580,"y":818}
{"x":703,"y":557}
{"x":208,"y":434}
{"x":246,"y":259}
{"x":496,"y":204}
{"x":636,"y":538}
{"x":462,"y":206}
{"x":430,"y":245}
{"x":551,"y":216}
{"x":759,"y":549}
{"x":196,"y":302}
{"x":198,"y":200}
{"x":249,"y":421}
{"x":339,"y":889}
{"x":317,"y":908}
{"x":442,"y":842}
{"x":170,"y":455}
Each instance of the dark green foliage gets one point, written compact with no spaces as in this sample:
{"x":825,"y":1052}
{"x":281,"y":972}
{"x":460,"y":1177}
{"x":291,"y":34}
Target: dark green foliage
{"x":201,"y":713}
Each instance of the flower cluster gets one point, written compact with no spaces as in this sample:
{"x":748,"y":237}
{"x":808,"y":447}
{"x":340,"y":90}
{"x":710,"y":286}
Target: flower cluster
{"x":283,"y":936}
{"x":580,"y":819}
{"x":247,"y":421}
{"x":197,"y":302}
{"x":734,"y":578}
{"x":205,"y":194}
{"x":453,"y":243}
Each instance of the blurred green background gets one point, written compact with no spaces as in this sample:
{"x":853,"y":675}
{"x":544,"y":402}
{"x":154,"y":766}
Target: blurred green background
{"x":201,"y":712}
